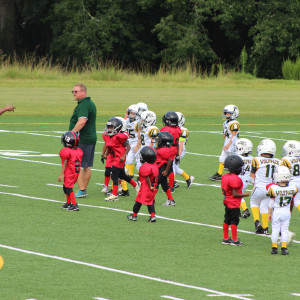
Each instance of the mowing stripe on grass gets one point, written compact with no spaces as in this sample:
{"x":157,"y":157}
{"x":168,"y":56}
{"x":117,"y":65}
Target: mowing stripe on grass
{"x":124,"y":272}
{"x":142,"y":214}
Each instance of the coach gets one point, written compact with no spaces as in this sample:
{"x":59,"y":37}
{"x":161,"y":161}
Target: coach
{"x":83,"y":121}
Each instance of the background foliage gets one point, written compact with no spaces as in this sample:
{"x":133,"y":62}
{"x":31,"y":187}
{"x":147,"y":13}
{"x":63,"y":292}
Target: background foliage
{"x":149,"y":33}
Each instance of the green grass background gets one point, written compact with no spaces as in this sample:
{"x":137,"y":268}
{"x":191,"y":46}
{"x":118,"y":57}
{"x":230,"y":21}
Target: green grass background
{"x":186,"y":253}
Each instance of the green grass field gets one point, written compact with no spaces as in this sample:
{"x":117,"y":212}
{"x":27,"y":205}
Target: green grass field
{"x":97,"y":253}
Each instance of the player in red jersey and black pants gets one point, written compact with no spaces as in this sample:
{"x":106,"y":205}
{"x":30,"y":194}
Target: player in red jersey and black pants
{"x":117,"y":144}
{"x":164,"y":162}
{"x":232,"y":186}
{"x":148,"y":173}
{"x":170,"y":119}
{"x":71,"y":157}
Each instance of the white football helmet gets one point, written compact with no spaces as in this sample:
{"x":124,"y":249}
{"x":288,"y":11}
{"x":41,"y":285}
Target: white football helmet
{"x":132,"y":112}
{"x":266,"y":146}
{"x":148,"y":118}
{"x":243,"y":146}
{"x":291,"y":148}
{"x":142,"y":107}
{"x":124,"y":125}
{"x":281,"y":173}
{"x":181,"y":119}
{"x":233,"y":110}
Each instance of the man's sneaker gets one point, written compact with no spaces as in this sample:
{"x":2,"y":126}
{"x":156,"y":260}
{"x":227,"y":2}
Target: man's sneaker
{"x":227,"y":241}
{"x":105,"y":189}
{"x":175,"y":185}
{"x":123,"y":193}
{"x":215,"y":177}
{"x":81,"y":194}
{"x":284,"y":251}
{"x":138,"y":186}
{"x":190,"y":181}
{"x":112,"y":198}
{"x":169,"y":203}
{"x":274,"y":250}
{"x":246,"y":214}
{"x":73,"y":207}
{"x":236,"y":243}
{"x":131,"y":217}
{"x":266,"y":231}
{"x":108,"y":193}
{"x":152,"y":219}
{"x":66,"y":205}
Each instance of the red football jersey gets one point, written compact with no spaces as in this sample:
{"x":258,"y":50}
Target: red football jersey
{"x":74,"y":157}
{"x":175,"y":131}
{"x":164,"y":154}
{"x":116,"y":147}
{"x":228,"y":183}
{"x":145,"y":195}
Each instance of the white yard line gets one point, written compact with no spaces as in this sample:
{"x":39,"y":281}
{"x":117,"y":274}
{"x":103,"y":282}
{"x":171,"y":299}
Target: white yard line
{"x":64,"y":259}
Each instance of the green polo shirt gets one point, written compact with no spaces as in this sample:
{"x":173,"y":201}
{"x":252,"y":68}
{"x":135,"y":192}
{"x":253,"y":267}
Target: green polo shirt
{"x":85,"y":109}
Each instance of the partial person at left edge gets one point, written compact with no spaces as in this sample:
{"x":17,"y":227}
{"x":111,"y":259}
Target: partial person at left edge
{"x":7,"y":108}
{"x":83,"y":122}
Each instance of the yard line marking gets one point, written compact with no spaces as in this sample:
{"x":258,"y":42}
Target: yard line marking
{"x":99,"y":298}
{"x":173,"y":298}
{"x":217,"y":295}
{"x":295,"y":294}
{"x":122,"y":272}
{"x":142,"y":214}
{"x":10,"y":186}
{"x":58,"y":185}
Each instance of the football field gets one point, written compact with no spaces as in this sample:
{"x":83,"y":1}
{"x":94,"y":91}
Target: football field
{"x":97,"y":253}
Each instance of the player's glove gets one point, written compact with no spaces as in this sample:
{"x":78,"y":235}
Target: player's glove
{"x":102,"y":159}
{"x":177,"y":159}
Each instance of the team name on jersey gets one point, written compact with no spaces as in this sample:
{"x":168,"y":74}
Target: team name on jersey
{"x":269,"y":161}
{"x":285,"y":193}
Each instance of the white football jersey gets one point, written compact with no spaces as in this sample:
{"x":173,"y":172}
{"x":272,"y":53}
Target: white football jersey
{"x":283,"y":195}
{"x":132,"y":129}
{"x":264,"y":167}
{"x":293,"y":163}
{"x":230,"y":126}
{"x":247,"y":167}
{"x":148,"y":135}
{"x":184,"y":136}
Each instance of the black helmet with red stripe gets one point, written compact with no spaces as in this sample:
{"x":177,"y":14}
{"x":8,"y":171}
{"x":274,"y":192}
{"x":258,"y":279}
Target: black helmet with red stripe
{"x":70,"y":139}
{"x":148,"y":154}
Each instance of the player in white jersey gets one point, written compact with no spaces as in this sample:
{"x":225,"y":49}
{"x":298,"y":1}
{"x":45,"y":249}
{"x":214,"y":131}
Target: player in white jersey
{"x":281,"y":194}
{"x":182,"y":143}
{"x":263,"y":167}
{"x":147,"y":132}
{"x":243,"y":149}
{"x":131,"y":126}
{"x":231,"y":129}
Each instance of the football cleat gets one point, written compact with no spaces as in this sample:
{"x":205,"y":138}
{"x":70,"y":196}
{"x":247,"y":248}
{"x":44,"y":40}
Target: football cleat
{"x":138,"y":186}
{"x":274,"y":250}
{"x":66,"y":205}
{"x":266,"y":231}
{"x":172,"y":189}
{"x":169,"y":203}
{"x":258,"y":228}
{"x":123,"y":193}
{"x":245,"y":214}
{"x":81,"y":194}
{"x":152,"y":219}
{"x":112,"y":198}
{"x":131,"y":217}
{"x":190,"y":181}
{"x":108,"y":193}
{"x":236,"y":243}
{"x":73,"y":207}
{"x":284,"y":251}
{"x":175,"y":185}
{"x":227,"y":241}
{"x":105,"y":189}
{"x":215,"y":177}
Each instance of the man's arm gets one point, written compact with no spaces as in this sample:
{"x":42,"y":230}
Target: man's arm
{"x":7,"y":108}
{"x":80,"y":124}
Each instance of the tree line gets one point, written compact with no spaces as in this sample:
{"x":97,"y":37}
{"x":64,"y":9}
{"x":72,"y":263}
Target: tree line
{"x":146,"y":34}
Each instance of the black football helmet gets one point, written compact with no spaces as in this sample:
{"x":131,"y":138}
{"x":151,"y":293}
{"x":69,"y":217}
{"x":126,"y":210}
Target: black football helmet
{"x":165,"y":139}
{"x":148,"y":154}
{"x":170,"y":119}
{"x":70,"y":139}
{"x":113,"y":126}
{"x":234,"y":164}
